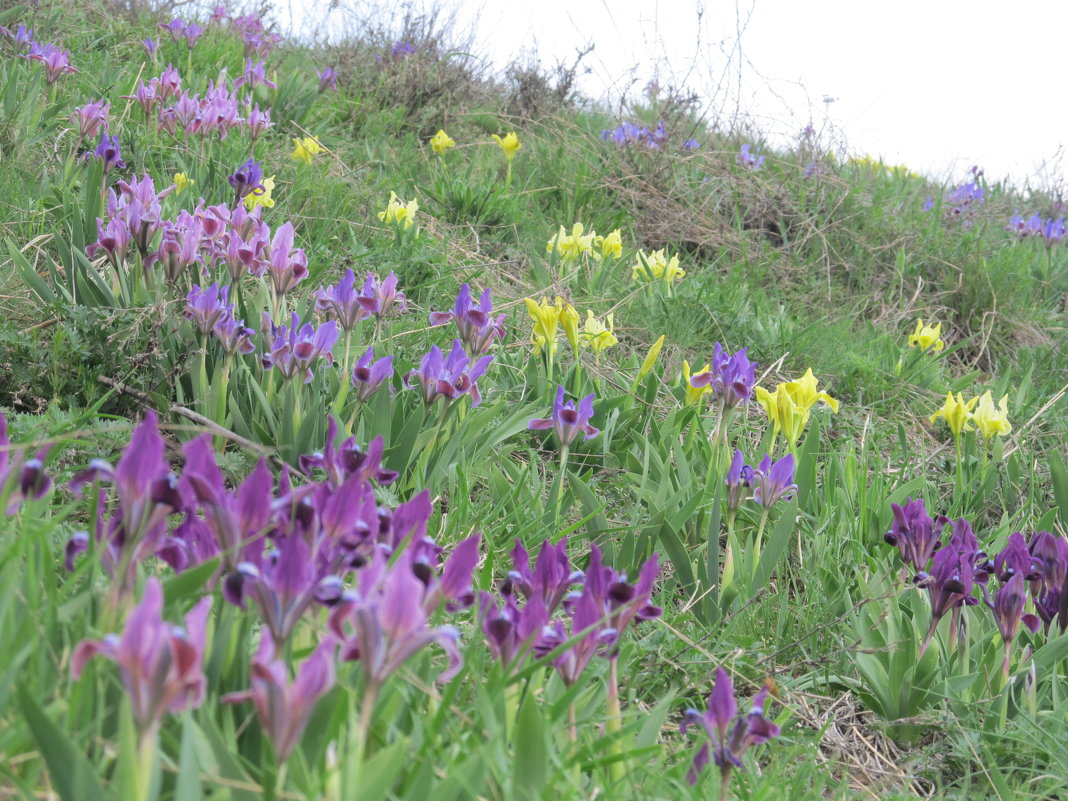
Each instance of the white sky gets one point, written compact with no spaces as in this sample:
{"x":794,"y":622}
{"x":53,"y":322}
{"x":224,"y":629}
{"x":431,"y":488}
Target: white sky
{"x":938,"y":85}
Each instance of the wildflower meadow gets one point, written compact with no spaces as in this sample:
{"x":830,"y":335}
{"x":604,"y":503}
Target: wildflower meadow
{"x":373,"y":427}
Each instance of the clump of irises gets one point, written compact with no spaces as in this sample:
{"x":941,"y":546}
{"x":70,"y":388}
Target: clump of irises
{"x":1050,"y":230}
{"x":1031,"y":575}
{"x":963,"y":201}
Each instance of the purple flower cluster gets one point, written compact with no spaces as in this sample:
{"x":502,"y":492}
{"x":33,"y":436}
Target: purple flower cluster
{"x":629,"y":133}
{"x":91,"y":119}
{"x":769,"y":481}
{"x":566,"y":614}
{"x":950,"y":571}
{"x":189,"y":31}
{"x":449,"y":377}
{"x":254,"y":35}
{"x":728,"y":743}
{"x":107,"y":153}
{"x":567,"y":421}
{"x":731,"y":377}
{"x":255,"y":75}
{"x":56,"y":60}
{"x":1051,"y":230}
{"x":295,"y":348}
{"x":477,"y":326}
{"x":751,"y":161}
{"x":327,"y":79}
{"x":209,"y":311}
{"x":378,"y":298}
{"x":963,"y":201}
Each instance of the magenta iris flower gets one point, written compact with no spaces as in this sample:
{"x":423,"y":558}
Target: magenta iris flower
{"x":727,"y":743}
{"x":56,"y":62}
{"x":107,"y":152}
{"x":380,"y":296}
{"x":91,"y":118}
{"x":258,"y":122}
{"x":748,"y":159}
{"x":161,"y":664}
{"x":205,"y":307}
{"x":739,"y":479}
{"x":477,"y":326}
{"x":297,"y":347}
{"x":327,"y":79}
{"x":1050,"y":589}
{"x":773,"y":481}
{"x":255,"y":75}
{"x":913,"y":533}
{"x":288,"y":266}
{"x":448,"y":376}
{"x":551,"y":579}
{"x":20,"y":479}
{"x":341,"y":302}
{"x":283,"y":706}
{"x":368,"y":375}
{"x":731,"y":377}
{"x":234,"y":335}
{"x":567,"y":420}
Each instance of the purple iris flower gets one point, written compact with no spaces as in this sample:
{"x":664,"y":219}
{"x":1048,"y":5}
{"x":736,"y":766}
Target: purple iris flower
{"x":108,"y":153}
{"x":297,"y":347}
{"x":146,"y":494}
{"x":191,"y":34}
{"x":151,"y":46}
{"x":284,"y":707}
{"x":246,"y":179}
{"x":176,"y":28}
{"x":327,"y":79}
{"x":913,"y":533}
{"x":773,"y":481}
{"x":550,"y":581}
{"x":369,"y":375}
{"x":347,"y":460}
{"x":179,"y":246}
{"x":255,"y":75}
{"x":56,"y":62}
{"x":511,"y":630}
{"x":383,"y":622}
{"x":341,"y":302}
{"x":731,"y":377}
{"x":205,"y":307}
{"x":478,"y":328}
{"x":161,"y":664}
{"x":620,"y":601}
{"x":751,"y":161}
{"x":380,"y":296}
{"x":402,"y":50}
{"x":91,"y":118}
{"x":258,"y":121}
{"x":568,"y":421}
{"x":169,"y":82}
{"x":145,"y":95}
{"x":952,"y":576}
{"x":739,"y":479}
{"x":1053,"y":231}
{"x":32,"y":482}
{"x":1050,"y":590}
{"x":691,"y":145}
{"x":448,"y":376}
{"x":1008,"y":607}
{"x":288,"y":266}
{"x":728,"y":744}
{"x":234,"y":335}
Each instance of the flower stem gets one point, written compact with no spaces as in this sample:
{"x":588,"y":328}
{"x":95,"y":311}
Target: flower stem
{"x":560,"y":486}
{"x":614,"y":722}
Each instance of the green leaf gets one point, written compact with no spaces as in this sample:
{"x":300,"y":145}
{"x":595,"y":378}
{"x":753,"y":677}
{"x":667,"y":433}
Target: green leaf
{"x":71,"y":772}
{"x":776,"y":547}
{"x":187,"y":785}
{"x":379,"y":773}
{"x":1059,"y":474}
{"x":531,"y":751}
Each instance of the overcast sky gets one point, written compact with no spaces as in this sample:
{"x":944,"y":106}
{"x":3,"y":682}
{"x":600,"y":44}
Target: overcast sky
{"x":937,"y":85}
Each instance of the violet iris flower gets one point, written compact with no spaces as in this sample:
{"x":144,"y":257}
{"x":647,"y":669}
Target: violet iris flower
{"x":151,"y":46}
{"x":380,"y":297}
{"x":738,"y":480}
{"x":340,"y":463}
{"x":369,"y":375}
{"x":478,"y":328}
{"x":145,"y":95}
{"x":255,"y":75}
{"x":234,"y":335}
{"x":511,"y":631}
{"x":730,"y":377}
{"x":727,"y":744}
{"x":327,"y":79}
{"x":176,"y":28}
{"x":32,"y":482}
{"x":751,"y":161}
{"x":205,"y":307}
{"x":297,"y":347}
{"x":246,"y":179}
{"x":913,"y":533}
{"x":161,"y":664}
{"x":567,"y":421}
{"x":258,"y":122}
{"x":551,"y":579}
{"x":107,"y":151}
{"x":284,"y":707}
{"x":91,"y":118}
{"x":1050,"y":590}
{"x":341,"y":302}
{"x":288,"y":266}
{"x":448,"y":376}
{"x":949,"y":584}
{"x":772,"y":482}
{"x":56,"y":62}
{"x":191,"y":34}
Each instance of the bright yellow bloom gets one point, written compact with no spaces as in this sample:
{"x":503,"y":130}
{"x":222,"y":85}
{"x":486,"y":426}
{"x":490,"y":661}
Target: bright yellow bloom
{"x":546,"y":317}
{"x":611,"y":246}
{"x":181,"y":182}
{"x":571,"y":246}
{"x":926,"y":337}
{"x":258,"y":198}
{"x":306,"y":149}
{"x":655,"y":266}
{"x":509,"y":144}
{"x":693,"y":394}
{"x":569,"y":321}
{"x":440,"y":142}
{"x":651,"y":357}
{"x":398,"y":212}
{"x":989,"y":420}
{"x":956,"y":413}
{"x":597,"y":335}
{"x":790,"y":405}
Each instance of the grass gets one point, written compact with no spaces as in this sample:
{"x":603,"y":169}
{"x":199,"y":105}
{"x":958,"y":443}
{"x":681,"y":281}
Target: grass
{"x":828,"y":271}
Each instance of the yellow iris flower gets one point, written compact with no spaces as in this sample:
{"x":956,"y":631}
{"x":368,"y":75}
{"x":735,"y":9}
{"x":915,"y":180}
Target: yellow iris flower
{"x":546,"y":317}
{"x":440,"y":142}
{"x":306,"y":149}
{"x":509,"y":144}
{"x":181,"y":182}
{"x":398,"y":212}
{"x":571,"y":246}
{"x":264,"y":198}
{"x":611,"y":246}
{"x":927,"y":337}
{"x":956,"y":413}
{"x":597,"y":335}
{"x":651,"y":357}
{"x":990,"y":420}
{"x":656,"y":266}
{"x":790,"y":405}
{"x":569,"y":321}
{"x":693,"y":394}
